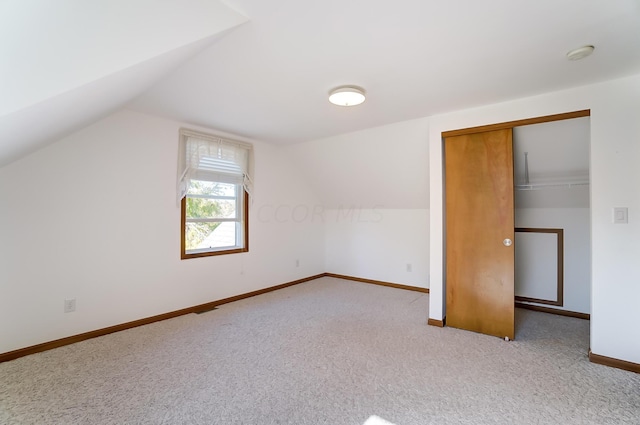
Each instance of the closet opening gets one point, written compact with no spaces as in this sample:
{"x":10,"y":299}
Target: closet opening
{"x":552,"y":217}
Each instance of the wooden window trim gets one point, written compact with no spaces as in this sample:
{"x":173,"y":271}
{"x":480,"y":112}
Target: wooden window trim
{"x":183,"y":223}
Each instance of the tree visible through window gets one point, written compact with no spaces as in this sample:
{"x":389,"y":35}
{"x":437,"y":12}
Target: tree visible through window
{"x":213,"y":217}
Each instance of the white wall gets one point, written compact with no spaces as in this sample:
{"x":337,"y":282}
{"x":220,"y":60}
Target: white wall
{"x":94,"y":217}
{"x":373,"y":188}
{"x":381,"y":167}
{"x":378,"y":244}
{"x":577,"y":246}
{"x":615,"y":149}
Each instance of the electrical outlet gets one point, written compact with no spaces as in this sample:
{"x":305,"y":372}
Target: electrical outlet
{"x":69,"y":306}
{"x":409,"y":267}
{"x":297,"y":263}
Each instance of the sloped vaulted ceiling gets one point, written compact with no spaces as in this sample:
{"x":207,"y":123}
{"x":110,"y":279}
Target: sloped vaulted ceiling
{"x":66,"y":63}
{"x":269,"y":80}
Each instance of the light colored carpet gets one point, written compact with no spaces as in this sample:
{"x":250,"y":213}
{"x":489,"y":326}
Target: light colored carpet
{"x":324,"y":352}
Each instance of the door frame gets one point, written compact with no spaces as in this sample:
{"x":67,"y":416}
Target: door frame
{"x":517,"y":123}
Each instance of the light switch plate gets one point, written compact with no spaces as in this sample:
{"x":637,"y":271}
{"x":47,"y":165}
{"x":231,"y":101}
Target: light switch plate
{"x":621,"y":215}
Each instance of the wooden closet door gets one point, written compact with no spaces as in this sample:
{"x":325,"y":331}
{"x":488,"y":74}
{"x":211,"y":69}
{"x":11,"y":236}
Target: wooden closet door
{"x":479,"y":218}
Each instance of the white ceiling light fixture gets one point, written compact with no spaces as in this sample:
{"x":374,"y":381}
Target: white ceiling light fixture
{"x":346,"y":96}
{"x":580,"y":53}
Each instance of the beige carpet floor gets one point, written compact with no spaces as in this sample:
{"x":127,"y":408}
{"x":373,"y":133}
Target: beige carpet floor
{"x":327,"y":351}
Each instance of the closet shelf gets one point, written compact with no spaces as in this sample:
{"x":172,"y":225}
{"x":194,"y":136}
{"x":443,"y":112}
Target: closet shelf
{"x":577,"y":181}
{"x":559,"y":185}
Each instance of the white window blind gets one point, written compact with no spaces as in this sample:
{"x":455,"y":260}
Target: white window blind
{"x":215,"y":159}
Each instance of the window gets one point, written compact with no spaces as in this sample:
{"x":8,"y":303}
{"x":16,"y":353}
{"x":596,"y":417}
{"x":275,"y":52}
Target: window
{"x":214,"y":219}
{"x":213,"y":187}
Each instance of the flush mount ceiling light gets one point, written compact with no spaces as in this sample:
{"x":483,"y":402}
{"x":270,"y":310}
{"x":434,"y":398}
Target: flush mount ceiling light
{"x":346,"y":96}
{"x":580,"y":53}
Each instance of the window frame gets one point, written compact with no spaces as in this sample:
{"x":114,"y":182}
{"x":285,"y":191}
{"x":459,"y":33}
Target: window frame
{"x":244,"y":222}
